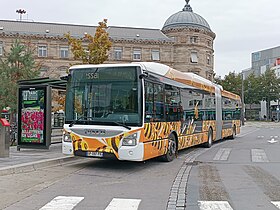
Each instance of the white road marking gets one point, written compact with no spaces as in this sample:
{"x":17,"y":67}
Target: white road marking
{"x":259,"y":156}
{"x":121,"y":204}
{"x":222,"y":154}
{"x":214,"y":205}
{"x":62,"y":203}
{"x":276,"y":203}
{"x":272,"y":141}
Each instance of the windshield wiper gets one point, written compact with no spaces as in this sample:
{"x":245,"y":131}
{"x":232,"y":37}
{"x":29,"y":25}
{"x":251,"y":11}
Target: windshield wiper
{"x":78,"y":120}
{"x":121,"y":124}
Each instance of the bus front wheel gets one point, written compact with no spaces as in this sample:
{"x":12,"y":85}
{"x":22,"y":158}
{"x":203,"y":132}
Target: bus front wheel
{"x":172,"y":149}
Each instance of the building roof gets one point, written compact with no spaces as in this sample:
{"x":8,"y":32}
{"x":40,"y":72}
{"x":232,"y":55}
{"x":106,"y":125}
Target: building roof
{"x":58,"y":29}
{"x":56,"y":83}
{"x":186,"y":17}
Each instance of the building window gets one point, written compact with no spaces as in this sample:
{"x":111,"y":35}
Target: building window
{"x":208,"y":59}
{"x":194,"y":39}
{"x":137,"y":54}
{"x":64,"y":52}
{"x":1,"y":48}
{"x":209,"y":43}
{"x":194,"y":58}
{"x":256,"y":56}
{"x":42,"y":51}
{"x":155,"y":55}
{"x":118,"y":53}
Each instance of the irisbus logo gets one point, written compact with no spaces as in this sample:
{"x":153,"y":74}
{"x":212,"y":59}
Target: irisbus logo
{"x":94,"y":132}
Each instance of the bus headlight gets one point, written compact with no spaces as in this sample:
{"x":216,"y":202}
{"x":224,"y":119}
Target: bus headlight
{"x":130,"y":140}
{"x":66,"y":137}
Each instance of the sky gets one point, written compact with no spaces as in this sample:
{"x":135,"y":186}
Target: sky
{"x":241,"y":26}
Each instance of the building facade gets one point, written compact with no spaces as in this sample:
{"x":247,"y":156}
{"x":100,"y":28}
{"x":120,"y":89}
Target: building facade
{"x":265,"y":59}
{"x":185,"y":43}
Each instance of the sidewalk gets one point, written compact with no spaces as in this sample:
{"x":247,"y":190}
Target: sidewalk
{"x":262,"y":124}
{"x":32,"y":159}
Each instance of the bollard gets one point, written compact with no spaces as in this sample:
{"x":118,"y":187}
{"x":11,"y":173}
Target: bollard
{"x":4,"y":138}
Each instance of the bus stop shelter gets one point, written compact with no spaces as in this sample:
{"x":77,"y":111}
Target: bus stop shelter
{"x":35,"y":112}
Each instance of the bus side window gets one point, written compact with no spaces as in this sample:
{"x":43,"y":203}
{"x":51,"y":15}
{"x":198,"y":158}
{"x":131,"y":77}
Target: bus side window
{"x":154,"y":104}
{"x":172,"y":103}
{"x":149,"y":100}
{"x":158,"y":103}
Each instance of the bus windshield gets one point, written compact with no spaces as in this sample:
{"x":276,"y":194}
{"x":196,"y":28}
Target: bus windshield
{"x":105,"y":96}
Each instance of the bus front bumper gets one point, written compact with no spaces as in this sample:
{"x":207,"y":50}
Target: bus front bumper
{"x":132,"y":153}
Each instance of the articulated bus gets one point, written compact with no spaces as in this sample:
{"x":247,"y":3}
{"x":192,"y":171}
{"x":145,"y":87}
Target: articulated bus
{"x":139,"y":111}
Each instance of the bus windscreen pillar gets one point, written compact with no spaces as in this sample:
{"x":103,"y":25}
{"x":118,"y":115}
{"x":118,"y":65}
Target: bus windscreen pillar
{"x":34,"y":117}
{"x":4,"y":138}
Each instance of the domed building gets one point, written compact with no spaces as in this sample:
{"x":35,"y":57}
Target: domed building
{"x":185,"y":43}
{"x":193,"y":47}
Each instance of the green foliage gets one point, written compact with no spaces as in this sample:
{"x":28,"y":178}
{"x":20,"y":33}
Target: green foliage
{"x":252,"y":89}
{"x":97,"y":48}
{"x":231,"y":82}
{"x":265,"y":87}
{"x":16,"y":65}
{"x":269,"y":85}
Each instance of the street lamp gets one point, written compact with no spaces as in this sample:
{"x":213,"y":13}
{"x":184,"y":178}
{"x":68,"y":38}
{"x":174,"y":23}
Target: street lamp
{"x":20,"y":12}
{"x":242,"y":99}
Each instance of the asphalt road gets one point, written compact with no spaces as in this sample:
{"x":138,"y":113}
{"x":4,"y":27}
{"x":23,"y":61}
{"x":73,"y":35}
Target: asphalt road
{"x":240,"y":174}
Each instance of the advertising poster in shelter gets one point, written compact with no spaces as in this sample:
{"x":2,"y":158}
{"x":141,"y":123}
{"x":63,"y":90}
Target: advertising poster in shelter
{"x":32,"y":116}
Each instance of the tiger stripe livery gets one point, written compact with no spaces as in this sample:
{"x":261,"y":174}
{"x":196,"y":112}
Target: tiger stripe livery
{"x":154,"y":136}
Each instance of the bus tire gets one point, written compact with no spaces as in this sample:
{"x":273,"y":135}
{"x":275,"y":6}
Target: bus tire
{"x":233,"y":132}
{"x":172,"y":149}
{"x":209,"y":142}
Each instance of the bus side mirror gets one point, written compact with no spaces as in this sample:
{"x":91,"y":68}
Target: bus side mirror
{"x":66,"y":78}
{"x":144,"y":75}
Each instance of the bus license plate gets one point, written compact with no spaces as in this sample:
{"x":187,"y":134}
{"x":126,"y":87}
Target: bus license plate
{"x":95,"y":154}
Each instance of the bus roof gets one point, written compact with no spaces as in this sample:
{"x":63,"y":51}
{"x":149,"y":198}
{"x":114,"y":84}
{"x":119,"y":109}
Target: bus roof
{"x":187,"y":78}
{"x":82,"y":66}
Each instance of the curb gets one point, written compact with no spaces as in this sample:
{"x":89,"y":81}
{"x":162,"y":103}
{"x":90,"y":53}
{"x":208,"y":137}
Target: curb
{"x":33,"y":166}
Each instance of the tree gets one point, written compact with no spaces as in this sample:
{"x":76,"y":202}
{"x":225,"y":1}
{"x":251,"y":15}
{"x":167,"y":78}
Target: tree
{"x":265,"y":87}
{"x":231,"y":82}
{"x":18,"y":64}
{"x":252,"y":90}
{"x":269,"y":88}
{"x":97,"y":48}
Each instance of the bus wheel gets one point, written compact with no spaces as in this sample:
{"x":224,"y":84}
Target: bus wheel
{"x":172,"y":149}
{"x":209,"y":143}
{"x":233,"y":132}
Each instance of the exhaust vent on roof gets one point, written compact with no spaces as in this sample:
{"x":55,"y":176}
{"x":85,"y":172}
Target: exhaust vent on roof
{"x":1,"y":28}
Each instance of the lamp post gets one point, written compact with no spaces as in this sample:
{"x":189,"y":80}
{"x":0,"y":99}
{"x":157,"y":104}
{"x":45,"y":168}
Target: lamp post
{"x":242,"y":99}
{"x":20,"y":12}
